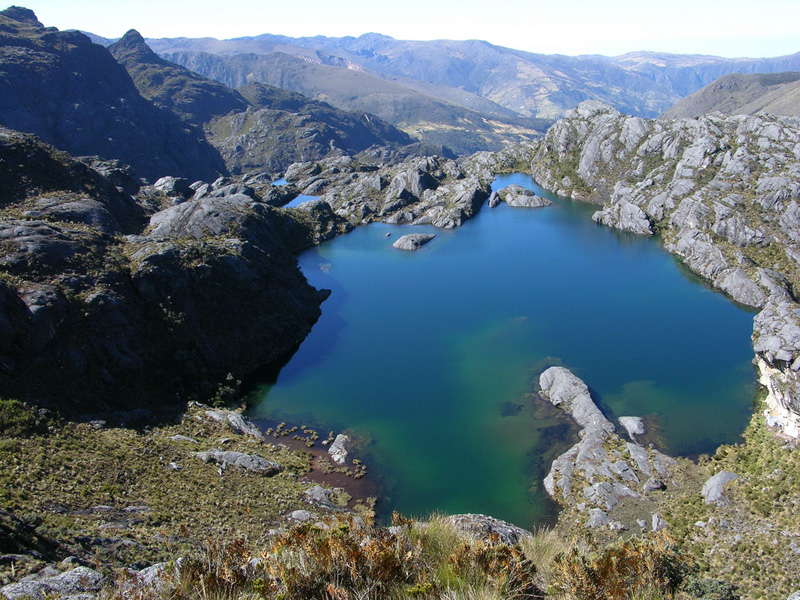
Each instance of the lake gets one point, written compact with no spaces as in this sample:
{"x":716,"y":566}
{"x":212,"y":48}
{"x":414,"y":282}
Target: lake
{"x":432,"y":356}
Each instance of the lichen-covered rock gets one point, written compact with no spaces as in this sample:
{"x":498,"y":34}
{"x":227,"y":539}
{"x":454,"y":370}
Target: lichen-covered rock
{"x":488,"y":529}
{"x":248,"y":462}
{"x":80,"y":583}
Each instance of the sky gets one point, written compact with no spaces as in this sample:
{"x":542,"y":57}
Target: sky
{"x":732,"y":28}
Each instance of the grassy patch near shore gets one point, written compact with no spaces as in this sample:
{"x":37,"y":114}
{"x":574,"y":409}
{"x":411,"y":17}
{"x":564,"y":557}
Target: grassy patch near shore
{"x":752,"y":539}
{"x":115,"y":496}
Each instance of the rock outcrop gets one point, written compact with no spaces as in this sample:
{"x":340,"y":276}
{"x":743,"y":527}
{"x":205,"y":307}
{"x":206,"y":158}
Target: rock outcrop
{"x":81,"y":583}
{"x":137,"y":310}
{"x":488,"y":529}
{"x":416,"y":191}
{"x":723,"y":193}
{"x":518,"y":197}
{"x":601,"y":470}
{"x":248,"y":462}
{"x":714,"y":489}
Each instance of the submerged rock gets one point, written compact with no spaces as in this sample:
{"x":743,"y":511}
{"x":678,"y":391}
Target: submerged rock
{"x":413,"y":241}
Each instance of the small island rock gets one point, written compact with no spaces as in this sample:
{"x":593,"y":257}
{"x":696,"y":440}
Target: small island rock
{"x":413,"y":241}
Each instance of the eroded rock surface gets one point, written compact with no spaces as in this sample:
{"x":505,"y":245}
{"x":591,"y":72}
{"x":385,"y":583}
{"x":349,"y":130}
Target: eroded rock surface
{"x":601,"y":470}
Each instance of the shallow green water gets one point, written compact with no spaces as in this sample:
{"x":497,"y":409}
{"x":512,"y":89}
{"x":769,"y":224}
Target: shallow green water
{"x":432,"y":354}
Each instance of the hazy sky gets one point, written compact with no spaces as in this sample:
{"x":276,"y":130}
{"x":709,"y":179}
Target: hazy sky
{"x":753,"y":28}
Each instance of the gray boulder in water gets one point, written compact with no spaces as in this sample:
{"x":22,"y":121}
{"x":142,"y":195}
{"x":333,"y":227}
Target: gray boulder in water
{"x":413,"y":241}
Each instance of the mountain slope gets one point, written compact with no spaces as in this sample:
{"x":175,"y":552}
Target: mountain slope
{"x":194,"y":98}
{"x":737,"y":93}
{"x":72,"y":94}
{"x":259,"y":127}
{"x":532,"y":85}
{"x":430,"y":119}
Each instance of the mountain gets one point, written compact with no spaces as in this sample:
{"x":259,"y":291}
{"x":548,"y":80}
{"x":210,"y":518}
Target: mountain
{"x":737,"y":93}
{"x":74,"y":95}
{"x":527,"y":84}
{"x":259,"y":126}
{"x":432,"y":120}
{"x":194,"y":98}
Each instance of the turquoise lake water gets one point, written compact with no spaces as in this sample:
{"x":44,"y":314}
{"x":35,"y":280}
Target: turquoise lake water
{"x":433,"y":355}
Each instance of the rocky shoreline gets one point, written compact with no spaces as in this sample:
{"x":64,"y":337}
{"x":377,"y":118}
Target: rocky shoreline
{"x":722,"y":192}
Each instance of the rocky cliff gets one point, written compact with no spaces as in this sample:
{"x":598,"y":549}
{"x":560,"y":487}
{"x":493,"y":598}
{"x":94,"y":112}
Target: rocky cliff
{"x":723,"y":194}
{"x":73,"y":94}
{"x":107,"y":300}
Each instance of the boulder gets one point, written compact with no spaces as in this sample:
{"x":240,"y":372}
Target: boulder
{"x":413,"y":241}
{"x":714,"y":489}
{"x":488,"y":529}
{"x":658,"y":523}
{"x":633,"y":425}
{"x":249,"y":462}
{"x":319,"y":496}
{"x":337,"y":450}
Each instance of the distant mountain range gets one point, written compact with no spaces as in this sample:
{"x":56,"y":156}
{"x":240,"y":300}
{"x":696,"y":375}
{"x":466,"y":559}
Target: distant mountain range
{"x":771,"y":93}
{"x":407,"y":81}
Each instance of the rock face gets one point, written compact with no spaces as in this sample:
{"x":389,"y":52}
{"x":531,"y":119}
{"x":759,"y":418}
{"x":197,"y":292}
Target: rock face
{"x":692,"y":180}
{"x":136,"y":311}
{"x":73,"y":94}
{"x":724,"y":194}
{"x":600,"y":470}
{"x":776,"y":340}
{"x":413,"y":241}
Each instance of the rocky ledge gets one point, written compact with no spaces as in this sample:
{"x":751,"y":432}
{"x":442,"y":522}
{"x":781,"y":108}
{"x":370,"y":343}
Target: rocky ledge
{"x":417,"y":191}
{"x":602,"y":470}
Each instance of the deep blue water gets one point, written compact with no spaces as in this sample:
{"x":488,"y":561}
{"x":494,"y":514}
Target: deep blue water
{"x":433,"y":354}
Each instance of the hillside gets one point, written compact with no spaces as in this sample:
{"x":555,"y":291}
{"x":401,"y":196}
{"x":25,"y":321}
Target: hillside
{"x":430,"y":119}
{"x":773,"y":93}
{"x":72,"y":93}
{"x":258,"y":127}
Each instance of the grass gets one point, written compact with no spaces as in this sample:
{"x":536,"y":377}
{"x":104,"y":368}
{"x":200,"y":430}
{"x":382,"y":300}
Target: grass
{"x":119,"y":496}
